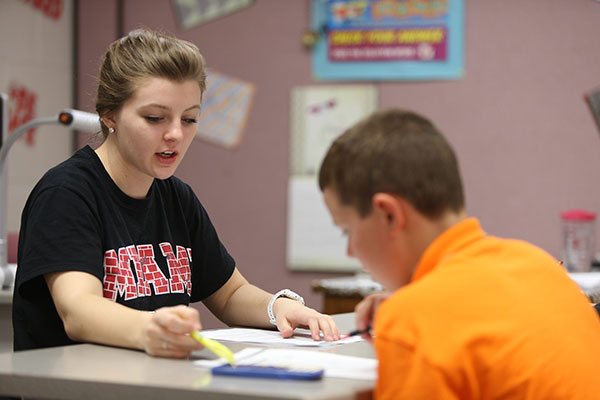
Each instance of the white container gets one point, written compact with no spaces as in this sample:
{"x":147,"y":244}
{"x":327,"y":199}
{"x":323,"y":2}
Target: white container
{"x":579,"y":239}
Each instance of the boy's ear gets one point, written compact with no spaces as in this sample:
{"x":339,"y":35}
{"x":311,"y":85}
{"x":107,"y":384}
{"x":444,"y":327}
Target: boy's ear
{"x":391,"y":209}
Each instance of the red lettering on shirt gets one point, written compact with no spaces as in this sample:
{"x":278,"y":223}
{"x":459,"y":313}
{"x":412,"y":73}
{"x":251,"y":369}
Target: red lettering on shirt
{"x":151,"y":273}
{"x":136,"y":256}
{"x":119,"y":278}
{"x":179,"y":268}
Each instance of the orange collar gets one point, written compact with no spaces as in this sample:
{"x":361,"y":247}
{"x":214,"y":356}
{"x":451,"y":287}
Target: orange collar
{"x":450,"y":241}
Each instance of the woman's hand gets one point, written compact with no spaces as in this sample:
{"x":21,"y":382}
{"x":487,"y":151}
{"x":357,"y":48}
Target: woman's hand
{"x":89,"y":317}
{"x":167,"y":332}
{"x":238,"y":303}
{"x":291,"y":314}
{"x":365,"y":312}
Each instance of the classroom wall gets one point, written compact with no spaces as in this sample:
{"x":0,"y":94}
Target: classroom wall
{"x":527,"y":143}
{"x":36,"y":74}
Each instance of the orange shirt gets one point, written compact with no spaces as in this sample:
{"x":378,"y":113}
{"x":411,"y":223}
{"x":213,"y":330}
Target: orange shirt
{"x":487,"y":318}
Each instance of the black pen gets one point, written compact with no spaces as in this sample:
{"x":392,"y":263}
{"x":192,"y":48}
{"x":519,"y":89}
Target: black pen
{"x":357,"y":332}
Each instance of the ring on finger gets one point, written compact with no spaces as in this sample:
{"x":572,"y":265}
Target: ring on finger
{"x":164,"y":345}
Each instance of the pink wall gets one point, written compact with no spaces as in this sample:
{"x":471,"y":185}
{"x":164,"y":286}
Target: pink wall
{"x":526,"y":140}
{"x":96,"y":28}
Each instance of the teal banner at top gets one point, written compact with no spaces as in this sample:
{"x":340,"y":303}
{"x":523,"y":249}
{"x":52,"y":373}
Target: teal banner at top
{"x":388,"y":39}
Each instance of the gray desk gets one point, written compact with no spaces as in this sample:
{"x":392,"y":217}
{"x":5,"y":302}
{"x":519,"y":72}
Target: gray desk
{"x":6,"y":334}
{"x":92,"y":372}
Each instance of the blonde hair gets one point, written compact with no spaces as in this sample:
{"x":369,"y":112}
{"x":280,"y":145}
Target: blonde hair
{"x":143,"y":54}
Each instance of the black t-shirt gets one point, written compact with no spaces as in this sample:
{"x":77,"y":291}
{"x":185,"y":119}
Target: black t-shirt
{"x":77,"y":219}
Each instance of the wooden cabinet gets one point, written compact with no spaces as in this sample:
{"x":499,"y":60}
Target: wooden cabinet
{"x":341,"y":295}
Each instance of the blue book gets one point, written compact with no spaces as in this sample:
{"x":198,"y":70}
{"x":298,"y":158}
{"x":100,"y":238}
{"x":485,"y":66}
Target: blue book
{"x":258,"y":371}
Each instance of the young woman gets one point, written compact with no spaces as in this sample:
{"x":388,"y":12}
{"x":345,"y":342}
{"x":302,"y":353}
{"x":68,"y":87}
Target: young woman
{"x":113,"y":247}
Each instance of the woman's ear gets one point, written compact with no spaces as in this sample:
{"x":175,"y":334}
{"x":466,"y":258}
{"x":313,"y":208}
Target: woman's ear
{"x":390,"y":208}
{"x":108,"y":120}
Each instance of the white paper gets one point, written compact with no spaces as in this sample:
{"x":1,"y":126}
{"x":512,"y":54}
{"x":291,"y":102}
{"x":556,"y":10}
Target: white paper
{"x":335,"y":365}
{"x":249,"y":335}
{"x":586,"y":280}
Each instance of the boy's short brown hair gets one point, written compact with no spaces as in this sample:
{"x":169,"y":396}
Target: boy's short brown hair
{"x":398,"y":152}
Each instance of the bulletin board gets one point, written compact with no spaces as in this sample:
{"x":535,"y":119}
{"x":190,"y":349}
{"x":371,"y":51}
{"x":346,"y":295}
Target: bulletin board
{"x":319,"y":115}
{"x":388,"y":39}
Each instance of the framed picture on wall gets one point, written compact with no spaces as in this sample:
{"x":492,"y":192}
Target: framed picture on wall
{"x":192,"y":13}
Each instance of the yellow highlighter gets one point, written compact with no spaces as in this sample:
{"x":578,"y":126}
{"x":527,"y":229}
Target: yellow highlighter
{"x":214,"y":346}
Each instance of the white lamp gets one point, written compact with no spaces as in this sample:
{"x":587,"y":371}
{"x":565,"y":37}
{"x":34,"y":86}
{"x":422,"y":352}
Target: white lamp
{"x":77,"y":120}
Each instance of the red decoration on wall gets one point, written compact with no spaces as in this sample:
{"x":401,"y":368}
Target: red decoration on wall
{"x":51,"y":8}
{"x":22,"y":110}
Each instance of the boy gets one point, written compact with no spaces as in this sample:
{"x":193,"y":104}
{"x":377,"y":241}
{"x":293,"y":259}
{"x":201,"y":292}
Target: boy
{"x":469,"y":316}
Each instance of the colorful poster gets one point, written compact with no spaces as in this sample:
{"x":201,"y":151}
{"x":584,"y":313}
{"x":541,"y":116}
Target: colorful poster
{"x":388,"y":39}
{"x":225,"y":109}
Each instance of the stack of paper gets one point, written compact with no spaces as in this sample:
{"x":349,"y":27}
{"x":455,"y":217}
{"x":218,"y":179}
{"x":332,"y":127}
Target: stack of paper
{"x":301,"y":337}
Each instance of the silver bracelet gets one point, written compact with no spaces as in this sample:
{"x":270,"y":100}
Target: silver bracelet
{"x":282,"y":293}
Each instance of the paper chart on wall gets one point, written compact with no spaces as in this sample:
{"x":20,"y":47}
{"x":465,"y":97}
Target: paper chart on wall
{"x":322,"y":113}
{"x":313,"y":241}
{"x":319,"y":115}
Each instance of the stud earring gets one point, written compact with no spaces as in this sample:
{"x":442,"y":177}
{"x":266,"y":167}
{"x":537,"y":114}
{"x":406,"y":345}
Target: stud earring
{"x":111,"y":130}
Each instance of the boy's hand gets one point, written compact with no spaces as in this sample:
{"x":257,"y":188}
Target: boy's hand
{"x":365,"y":311}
